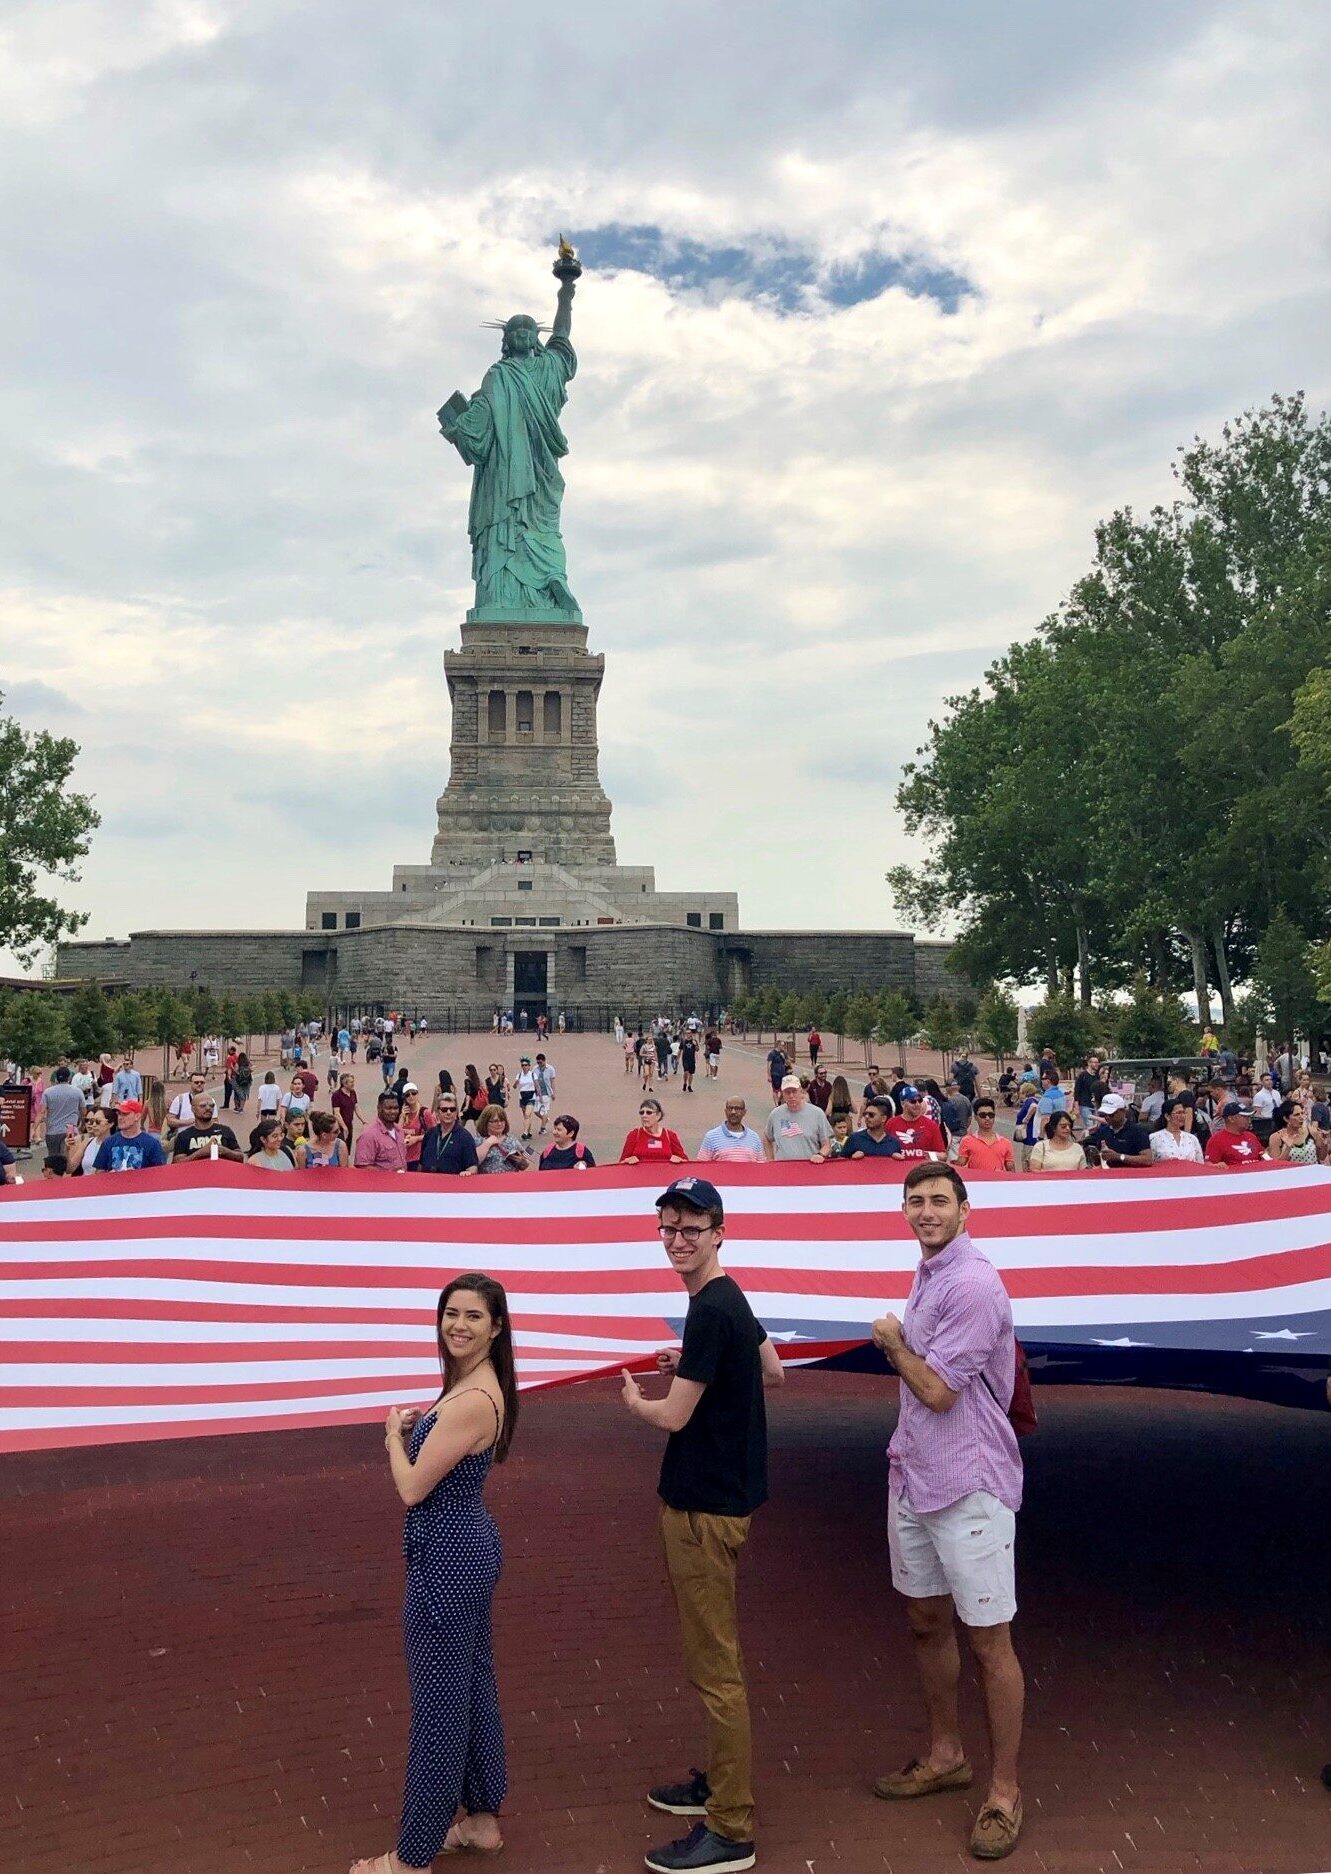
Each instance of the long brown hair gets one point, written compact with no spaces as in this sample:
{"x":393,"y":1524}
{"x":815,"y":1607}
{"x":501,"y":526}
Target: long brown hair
{"x":501,"y":1349}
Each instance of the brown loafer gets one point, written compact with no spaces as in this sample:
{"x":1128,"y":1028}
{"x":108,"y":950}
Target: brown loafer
{"x":996,"y":1833}
{"x":917,"y":1779}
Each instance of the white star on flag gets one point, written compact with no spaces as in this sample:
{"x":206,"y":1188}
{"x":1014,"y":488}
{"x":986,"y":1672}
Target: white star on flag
{"x":1125,"y":1342}
{"x":1281,"y":1333}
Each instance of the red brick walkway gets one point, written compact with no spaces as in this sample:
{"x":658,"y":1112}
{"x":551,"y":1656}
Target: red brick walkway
{"x":203,"y":1674}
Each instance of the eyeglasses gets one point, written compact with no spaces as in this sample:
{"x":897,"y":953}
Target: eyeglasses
{"x":691,"y":1232}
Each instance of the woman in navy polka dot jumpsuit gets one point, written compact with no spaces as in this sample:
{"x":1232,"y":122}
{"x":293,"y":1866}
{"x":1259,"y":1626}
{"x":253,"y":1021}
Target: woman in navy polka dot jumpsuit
{"x":440,"y":1461}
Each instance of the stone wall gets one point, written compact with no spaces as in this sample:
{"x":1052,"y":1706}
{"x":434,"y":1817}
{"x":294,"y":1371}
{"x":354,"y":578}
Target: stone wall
{"x":436,"y":969}
{"x":805,"y":961}
{"x":932,"y":977}
{"x":229,"y":962}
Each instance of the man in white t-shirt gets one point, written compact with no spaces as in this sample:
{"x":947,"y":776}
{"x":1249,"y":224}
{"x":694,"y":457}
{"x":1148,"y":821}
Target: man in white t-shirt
{"x":180,"y":1113}
{"x":797,"y":1131}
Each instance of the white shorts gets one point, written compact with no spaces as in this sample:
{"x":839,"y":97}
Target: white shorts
{"x":542,"y":1105}
{"x":965,"y":1550}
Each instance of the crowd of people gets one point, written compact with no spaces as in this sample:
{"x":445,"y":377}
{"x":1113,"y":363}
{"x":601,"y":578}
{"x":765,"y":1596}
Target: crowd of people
{"x":93,"y":1116}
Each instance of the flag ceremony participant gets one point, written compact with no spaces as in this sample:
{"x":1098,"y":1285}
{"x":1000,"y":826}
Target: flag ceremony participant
{"x":1233,"y":1142}
{"x":916,"y":1133}
{"x":955,"y":1478}
{"x":713,"y":1478}
{"x":456,"y":1772}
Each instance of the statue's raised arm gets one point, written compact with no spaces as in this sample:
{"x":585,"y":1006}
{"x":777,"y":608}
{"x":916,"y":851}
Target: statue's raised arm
{"x":509,"y":435}
{"x":568,"y":270}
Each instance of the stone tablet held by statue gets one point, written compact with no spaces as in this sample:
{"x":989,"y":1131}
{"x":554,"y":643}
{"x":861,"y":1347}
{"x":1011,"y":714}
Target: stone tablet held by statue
{"x":509,"y":435}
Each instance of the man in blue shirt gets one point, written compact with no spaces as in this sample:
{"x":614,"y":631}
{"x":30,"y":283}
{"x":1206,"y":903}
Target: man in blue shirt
{"x":128,"y":1082}
{"x":130,"y":1148}
{"x":873,"y":1140}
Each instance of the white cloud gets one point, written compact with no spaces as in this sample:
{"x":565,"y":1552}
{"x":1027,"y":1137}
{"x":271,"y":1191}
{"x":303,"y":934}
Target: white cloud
{"x":255,"y":257}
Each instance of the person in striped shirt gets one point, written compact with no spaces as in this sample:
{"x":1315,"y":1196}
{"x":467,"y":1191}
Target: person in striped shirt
{"x":953,"y":1496}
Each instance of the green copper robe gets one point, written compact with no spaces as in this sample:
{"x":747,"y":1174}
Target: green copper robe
{"x":509,"y":435}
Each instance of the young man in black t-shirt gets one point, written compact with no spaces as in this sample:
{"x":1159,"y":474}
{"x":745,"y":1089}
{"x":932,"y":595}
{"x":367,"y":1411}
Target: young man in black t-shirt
{"x":713,"y":1477}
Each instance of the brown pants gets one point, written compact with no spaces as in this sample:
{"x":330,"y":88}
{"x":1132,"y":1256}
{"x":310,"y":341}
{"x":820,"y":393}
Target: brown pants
{"x":702,"y":1552}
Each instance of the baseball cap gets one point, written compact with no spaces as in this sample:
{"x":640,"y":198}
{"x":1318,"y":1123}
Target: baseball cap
{"x":1112,"y":1103}
{"x":130,"y":1106}
{"x":409,"y":1086}
{"x":911,"y":1093}
{"x":790,"y":1080}
{"x":1230,"y":1107}
{"x":693,"y":1193}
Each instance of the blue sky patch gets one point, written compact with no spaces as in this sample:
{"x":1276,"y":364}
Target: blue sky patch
{"x":790,"y":278}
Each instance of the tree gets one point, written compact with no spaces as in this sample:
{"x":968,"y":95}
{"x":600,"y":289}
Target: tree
{"x":942,"y":1029}
{"x":1062,"y":1024}
{"x":171,"y":1024}
{"x":996,"y":1023}
{"x":862,"y":1021}
{"x":1202,"y":626}
{"x":230,"y":1019}
{"x":133,"y":1019}
{"x":45,"y":829}
{"x":789,"y":1014}
{"x":1285,"y":981}
{"x":897,"y":1020}
{"x":35,"y":1028}
{"x":91,"y":1027}
{"x":1152,"y":1026}
{"x":834,"y":1014}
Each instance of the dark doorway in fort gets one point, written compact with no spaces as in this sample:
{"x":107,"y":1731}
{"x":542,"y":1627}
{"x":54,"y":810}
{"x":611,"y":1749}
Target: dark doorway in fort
{"x":530,"y":983}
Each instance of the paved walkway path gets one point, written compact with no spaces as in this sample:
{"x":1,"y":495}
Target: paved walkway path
{"x":203,"y":1672}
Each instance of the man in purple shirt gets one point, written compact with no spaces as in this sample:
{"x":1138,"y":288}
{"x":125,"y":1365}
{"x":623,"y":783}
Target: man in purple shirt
{"x":953,"y":1495}
{"x":380,"y":1146}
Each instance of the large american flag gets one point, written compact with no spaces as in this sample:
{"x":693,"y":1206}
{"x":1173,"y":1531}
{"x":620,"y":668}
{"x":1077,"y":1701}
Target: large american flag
{"x":220,"y":1298}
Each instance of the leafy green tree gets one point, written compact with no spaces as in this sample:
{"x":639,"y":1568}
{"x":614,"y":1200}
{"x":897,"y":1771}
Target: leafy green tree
{"x":1285,"y":980}
{"x":45,"y":829}
{"x":172,"y":1019}
{"x":35,"y":1030}
{"x":897,"y":1020}
{"x":230,"y":1019}
{"x":1061,"y":1023}
{"x":942,"y":1029}
{"x":1241,"y":1030}
{"x":205,"y":1011}
{"x":133,"y":1019}
{"x":996,"y":1023}
{"x":91,"y":1027}
{"x":862,"y":1021}
{"x":789,"y":1014}
{"x":1204,"y":626}
{"x":1153,"y":1025}
{"x":815,"y":1011}
{"x":834,"y":1014}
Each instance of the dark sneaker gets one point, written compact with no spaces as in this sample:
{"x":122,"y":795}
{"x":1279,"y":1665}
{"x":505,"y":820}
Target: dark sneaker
{"x":682,"y":1798}
{"x":701,"y":1852}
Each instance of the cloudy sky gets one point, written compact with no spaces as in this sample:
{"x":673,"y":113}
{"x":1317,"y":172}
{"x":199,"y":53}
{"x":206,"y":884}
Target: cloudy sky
{"x":886,"y":303}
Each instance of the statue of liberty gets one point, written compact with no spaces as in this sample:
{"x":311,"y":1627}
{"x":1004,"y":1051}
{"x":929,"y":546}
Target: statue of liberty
{"x":510,"y":437}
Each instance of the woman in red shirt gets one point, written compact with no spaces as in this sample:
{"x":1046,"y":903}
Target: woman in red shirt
{"x":652,"y":1138}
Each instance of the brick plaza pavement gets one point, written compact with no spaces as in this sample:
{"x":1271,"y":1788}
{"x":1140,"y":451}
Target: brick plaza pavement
{"x":202,"y":1670}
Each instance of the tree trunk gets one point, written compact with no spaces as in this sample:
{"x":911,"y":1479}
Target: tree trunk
{"x":1051,"y":971}
{"x":1068,"y":985}
{"x":1083,"y":964}
{"x":1159,"y":959}
{"x":1222,"y":970}
{"x":1203,"y":993}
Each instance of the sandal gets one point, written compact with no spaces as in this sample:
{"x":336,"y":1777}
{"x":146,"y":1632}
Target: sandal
{"x":456,"y":1843}
{"x":996,"y":1832}
{"x":917,"y":1779}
